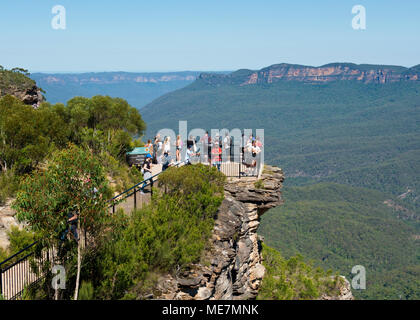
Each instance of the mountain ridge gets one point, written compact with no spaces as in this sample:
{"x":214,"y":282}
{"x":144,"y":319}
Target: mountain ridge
{"x":366,"y":73}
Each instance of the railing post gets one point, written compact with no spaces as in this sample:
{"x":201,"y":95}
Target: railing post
{"x":1,"y":283}
{"x":113,"y":208}
{"x":135,"y":198}
{"x":151,"y":187}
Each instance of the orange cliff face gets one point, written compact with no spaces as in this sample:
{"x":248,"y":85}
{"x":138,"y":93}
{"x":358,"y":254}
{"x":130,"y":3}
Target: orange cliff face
{"x":328,"y":73}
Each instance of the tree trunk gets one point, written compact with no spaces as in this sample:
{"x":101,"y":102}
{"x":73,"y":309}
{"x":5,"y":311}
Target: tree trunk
{"x":79,"y":262}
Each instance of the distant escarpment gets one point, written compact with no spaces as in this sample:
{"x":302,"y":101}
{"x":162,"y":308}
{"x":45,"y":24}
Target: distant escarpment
{"x":16,"y":82}
{"x":326,"y":73}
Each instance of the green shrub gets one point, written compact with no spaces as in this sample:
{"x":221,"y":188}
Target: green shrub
{"x":167,"y":235}
{"x":293,"y":279}
{"x":86,"y":291}
{"x":259,"y":184}
{"x":9,"y":184}
{"x":4,"y":254}
{"x":19,"y":239}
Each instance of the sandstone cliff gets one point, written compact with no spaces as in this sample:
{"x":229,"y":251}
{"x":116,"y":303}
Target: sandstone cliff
{"x":16,"y":82}
{"x":234,"y":268}
{"x":323,"y":74}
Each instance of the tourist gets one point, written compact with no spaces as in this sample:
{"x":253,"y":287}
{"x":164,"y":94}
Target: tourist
{"x":72,"y":218}
{"x":209,"y":147}
{"x":205,"y":143}
{"x":167,"y":145}
{"x":178,"y":148}
{"x":156,"y":144}
{"x":189,"y":154}
{"x":243,"y":147}
{"x":147,"y":172}
{"x":159,"y":152}
{"x":259,"y":143}
{"x":149,"y":147}
{"x":216,"y":154}
{"x":166,"y":161}
{"x":255,"y":151}
{"x":190,"y":141}
{"x":226,"y":148}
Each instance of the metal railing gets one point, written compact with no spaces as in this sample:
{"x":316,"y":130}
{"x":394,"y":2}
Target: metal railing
{"x":16,"y":272}
{"x":22,"y":270}
{"x":243,"y":165}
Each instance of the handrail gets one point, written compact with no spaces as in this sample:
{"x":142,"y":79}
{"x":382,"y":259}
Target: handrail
{"x":114,"y":202}
{"x":142,"y":182}
{"x":16,"y":254}
{"x":110,"y":200}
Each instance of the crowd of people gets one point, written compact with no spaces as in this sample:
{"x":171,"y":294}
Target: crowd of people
{"x":215,"y":151}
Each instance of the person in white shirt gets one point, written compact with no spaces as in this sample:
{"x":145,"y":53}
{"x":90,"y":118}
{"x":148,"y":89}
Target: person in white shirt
{"x":226,"y":148}
{"x":167,"y":145}
{"x":189,"y":154}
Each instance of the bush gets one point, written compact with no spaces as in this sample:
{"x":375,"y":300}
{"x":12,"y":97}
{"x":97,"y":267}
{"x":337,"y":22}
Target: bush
{"x":9,"y":184}
{"x":293,"y":279}
{"x":259,"y":184}
{"x":169,"y":234}
{"x":4,"y":254}
{"x":19,"y":239}
{"x":86,"y":291}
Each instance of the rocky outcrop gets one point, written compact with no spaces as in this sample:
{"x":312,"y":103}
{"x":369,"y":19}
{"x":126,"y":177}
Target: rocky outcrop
{"x":31,"y":96}
{"x":234,"y":268}
{"x":7,"y":220}
{"x":327,"y":73}
{"x":16,"y":82}
{"x":344,"y":292}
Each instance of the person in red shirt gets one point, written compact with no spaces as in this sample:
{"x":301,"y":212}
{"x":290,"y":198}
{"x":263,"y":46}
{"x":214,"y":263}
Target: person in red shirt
{"x":216,"y":154}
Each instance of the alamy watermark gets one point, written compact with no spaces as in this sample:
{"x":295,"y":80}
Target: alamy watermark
{"x":359,"y":20}
{"x":59,"y":280}
{"x":58,"y":22}
{"x":239,"y":140}
{"x":359,"y":280}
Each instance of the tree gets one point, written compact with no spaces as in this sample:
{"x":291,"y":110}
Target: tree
{"x":28,"y":135}
{"x":68,"y":184}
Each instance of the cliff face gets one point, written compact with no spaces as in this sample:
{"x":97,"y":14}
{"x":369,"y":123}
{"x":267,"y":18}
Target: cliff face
{"x":16,"y":82}
{"x":30,"y":96}
{"x":234,"y":267}
{"x":323,"y":74}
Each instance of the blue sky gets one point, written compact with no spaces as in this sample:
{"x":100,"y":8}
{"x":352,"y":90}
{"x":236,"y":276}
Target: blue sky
{"x":128,"y":35}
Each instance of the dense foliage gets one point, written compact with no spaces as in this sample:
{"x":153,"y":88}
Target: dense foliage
{"x":19,"y":239}
{"x":164,"y":237}
{"x":104,"y":125}
{"x":74,"y":181}
{"x":339,"y":227}
{"x":14,"y":79}
{"x":293,"y":279}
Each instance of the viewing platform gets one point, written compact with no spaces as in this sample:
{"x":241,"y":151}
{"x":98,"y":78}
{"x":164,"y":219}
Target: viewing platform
{"x":16,"y":272}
